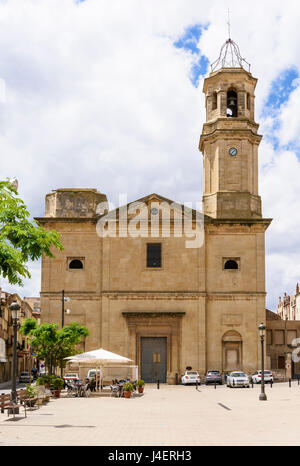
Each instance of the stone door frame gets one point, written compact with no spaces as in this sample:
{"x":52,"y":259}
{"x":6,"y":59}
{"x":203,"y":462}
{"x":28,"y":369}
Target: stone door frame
{"x":156,"y":325}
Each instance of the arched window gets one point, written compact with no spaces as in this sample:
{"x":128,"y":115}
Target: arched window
{"x":214,"y":101}
{"x":231,"y":104}
{"x":231,"y":265}
{"x":76,"y":264}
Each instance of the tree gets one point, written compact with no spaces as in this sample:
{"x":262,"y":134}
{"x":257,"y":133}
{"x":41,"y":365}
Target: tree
{"x":51,"y":344}
{"x":20,"y":239}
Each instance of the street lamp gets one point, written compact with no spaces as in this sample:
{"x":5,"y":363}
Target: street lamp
{"x":14,"y":309}
{"x":63,"y":311}
{"x":262,"y":329}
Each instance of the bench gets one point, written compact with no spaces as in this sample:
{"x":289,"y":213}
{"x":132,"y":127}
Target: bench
{"x":25,"y":400}
{"x":7,"y":403}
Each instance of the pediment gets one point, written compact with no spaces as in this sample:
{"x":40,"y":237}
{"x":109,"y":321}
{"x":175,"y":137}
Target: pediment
{"x":153,"y":203}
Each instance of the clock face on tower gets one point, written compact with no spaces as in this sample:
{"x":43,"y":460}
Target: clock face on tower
{"x":233,"y":151}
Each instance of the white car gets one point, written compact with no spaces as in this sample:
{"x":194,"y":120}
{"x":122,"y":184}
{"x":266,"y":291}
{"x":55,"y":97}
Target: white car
{"x":92,"y":374}
{"x":190,"y":377}
{"x":238,"y":379}
{"x":268,"y":377}
{"x":71,"y":377}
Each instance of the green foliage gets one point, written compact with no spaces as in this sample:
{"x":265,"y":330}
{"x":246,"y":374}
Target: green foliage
{"x":57,"y":383}
{"x":40,"y":380}
{"x":28,"y":326}
{"x":31,"y":391}
{"x":20,"y":239}
{"x":52,"y":344}
{"x":128,"y":387}
{"x":140,"y":383}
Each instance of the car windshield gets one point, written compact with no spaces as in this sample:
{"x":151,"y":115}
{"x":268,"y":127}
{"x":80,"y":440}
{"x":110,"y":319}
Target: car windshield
{"x":71,"y":375}
{"x":238,"y":374}
{"x":191,"y":373}
{"x":24,"y":373}
{"x":213,"y":372}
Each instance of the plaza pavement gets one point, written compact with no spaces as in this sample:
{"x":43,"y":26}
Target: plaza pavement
{"x":170,"y":416}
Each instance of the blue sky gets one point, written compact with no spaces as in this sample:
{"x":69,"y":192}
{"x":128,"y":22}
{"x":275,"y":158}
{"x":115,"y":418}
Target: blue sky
{"x":280,"y":91}
{"x":189,"y":43}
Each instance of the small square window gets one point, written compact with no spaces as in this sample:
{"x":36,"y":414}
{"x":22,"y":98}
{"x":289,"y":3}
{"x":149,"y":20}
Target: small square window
{"x":154,"y":255}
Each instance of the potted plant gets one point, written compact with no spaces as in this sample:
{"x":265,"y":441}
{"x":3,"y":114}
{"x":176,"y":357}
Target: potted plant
{"x":140,"y":385}
{"x":31,"y":393}
{"x":127,"y":389}
{"x":40,"y":388}
{"x":57,"y":385}
{"x":40,"y":380}
{"x":45,"y":380}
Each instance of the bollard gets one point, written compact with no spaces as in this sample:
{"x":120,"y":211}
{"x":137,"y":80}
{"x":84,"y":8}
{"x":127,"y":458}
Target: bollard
{"x":271,"y":383}
{"x":298,"y":380}
{"x":197,"y":385}
{"x":252,"y":383}
{"x":215,"y":385}
{"x":157,"y":383}
{"x":290,"y":383}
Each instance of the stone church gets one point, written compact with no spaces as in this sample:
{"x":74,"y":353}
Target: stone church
{"x":150,"y":296}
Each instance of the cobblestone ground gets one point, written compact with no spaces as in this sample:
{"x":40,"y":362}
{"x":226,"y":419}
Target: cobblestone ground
{"x":170,"y":416}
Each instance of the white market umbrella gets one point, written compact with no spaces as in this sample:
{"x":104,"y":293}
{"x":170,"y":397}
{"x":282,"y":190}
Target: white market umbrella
{"x":99,"y":357}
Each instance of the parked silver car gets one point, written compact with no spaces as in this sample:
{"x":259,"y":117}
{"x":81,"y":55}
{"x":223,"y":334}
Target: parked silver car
{"x":24,"y":377}
{"x":238,"y":379}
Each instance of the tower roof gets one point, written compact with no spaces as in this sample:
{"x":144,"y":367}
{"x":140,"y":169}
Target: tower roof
{"x":230,"y":57}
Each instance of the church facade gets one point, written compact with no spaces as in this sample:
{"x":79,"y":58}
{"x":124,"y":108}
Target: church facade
{"x":166,"y":286}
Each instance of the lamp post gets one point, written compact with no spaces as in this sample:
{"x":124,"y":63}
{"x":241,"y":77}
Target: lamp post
{"x":63,"y":311}
{"x":14,"y":309}
{"x":262,"y":329}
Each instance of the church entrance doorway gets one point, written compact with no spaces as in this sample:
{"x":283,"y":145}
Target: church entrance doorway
{"x":154,"y":359}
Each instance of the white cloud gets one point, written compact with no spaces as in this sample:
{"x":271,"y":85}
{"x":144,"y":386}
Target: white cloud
{"x":98,"y":96}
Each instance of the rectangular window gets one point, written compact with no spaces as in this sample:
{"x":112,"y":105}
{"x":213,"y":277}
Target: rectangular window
{"x":279,"y":337}
{"x":154,"y":255}
{"x":291,"y":335}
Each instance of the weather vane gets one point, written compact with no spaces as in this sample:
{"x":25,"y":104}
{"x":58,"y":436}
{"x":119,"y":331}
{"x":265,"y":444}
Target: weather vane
{"x":228,"y":23}
{"x":230,"y":56}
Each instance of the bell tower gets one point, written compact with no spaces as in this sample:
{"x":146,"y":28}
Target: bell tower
{"x":229,"y":140}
